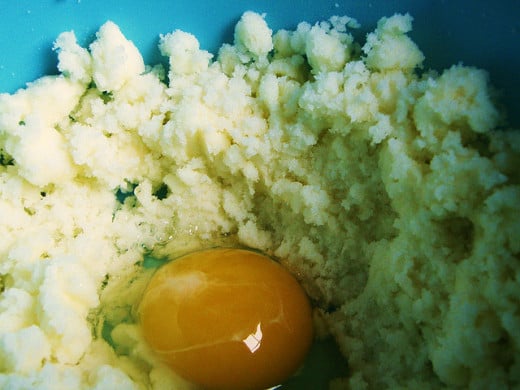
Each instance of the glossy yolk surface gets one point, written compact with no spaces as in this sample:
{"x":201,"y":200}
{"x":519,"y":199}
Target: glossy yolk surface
{"x":227,"y":319}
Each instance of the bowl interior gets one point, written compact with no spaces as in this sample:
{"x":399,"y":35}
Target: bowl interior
{"x":477,"y":33}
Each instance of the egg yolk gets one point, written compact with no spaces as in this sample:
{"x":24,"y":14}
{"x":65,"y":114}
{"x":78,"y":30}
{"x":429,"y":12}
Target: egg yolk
{"x":227,"y":319}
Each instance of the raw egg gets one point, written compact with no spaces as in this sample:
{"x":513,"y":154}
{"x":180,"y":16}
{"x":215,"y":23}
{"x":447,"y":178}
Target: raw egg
{"x":227,"y":319}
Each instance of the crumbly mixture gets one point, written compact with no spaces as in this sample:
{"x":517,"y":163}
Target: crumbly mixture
{"x":392,"y":196}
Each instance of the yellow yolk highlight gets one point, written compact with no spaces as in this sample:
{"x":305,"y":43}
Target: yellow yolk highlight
{"x":227,"y":319}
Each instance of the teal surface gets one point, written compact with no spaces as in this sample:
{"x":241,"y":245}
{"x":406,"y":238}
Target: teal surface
{"x":481,"y":33}
{"x":323,"y":364}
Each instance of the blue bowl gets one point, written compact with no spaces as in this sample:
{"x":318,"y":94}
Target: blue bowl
{"x":478,"y":32}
